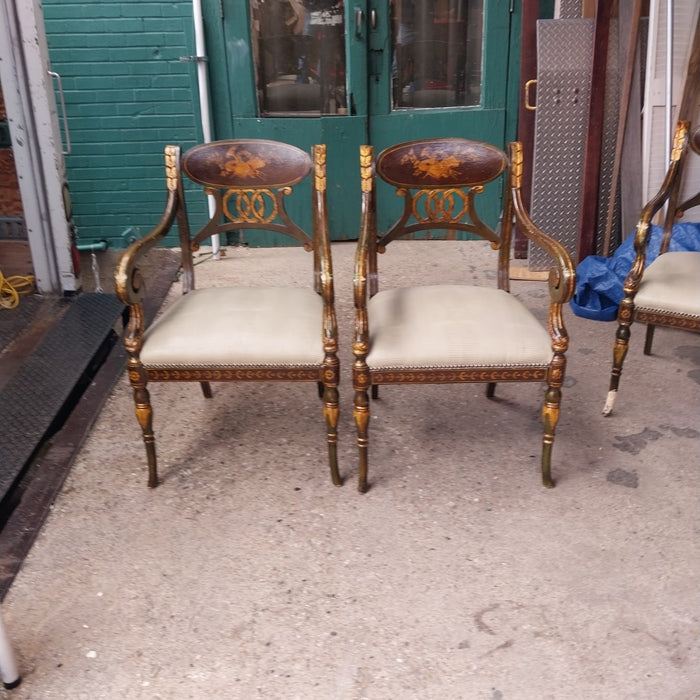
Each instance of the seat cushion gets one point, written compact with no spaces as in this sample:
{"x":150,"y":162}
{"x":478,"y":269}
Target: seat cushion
{"x":454,"y":326}
{"x":671,"y":284}
{"x":233,"y":327}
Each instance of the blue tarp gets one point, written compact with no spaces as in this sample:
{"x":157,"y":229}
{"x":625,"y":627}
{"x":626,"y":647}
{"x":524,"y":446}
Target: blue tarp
{"x":599,"y":280}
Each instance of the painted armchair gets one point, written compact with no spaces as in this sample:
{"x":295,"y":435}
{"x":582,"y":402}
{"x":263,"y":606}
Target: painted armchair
{"x":436,"y":334}
{"x":237,"y":333}
{"x":666,"y":292}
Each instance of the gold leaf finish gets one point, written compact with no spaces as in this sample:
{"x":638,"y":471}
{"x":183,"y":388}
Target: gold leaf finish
{"x":250,"y":206}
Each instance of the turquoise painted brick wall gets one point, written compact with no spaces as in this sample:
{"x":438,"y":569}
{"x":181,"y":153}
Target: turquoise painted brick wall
{"x":127,"y":95}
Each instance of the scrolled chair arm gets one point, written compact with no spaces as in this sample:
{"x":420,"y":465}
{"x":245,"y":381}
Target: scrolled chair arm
{"x":562,"y":277}
{"x":324,"y":268}
{"x":643,"y":229}
{"x":326,"y":290}
{"x":129,"y":283}
{"x":361,"y":287}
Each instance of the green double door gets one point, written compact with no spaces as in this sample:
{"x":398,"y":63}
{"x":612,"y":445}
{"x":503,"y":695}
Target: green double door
{"x":364,"y":71}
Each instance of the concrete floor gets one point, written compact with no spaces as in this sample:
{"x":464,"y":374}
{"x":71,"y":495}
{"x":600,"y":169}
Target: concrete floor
{"x":246,"y":574}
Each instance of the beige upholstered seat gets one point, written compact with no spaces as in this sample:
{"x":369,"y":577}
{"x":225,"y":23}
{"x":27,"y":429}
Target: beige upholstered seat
{"x":232,"y":327}
{"x":238,"y":333}
{"x":451,"y":326}
{"x":671,"y":284}
{"x":667,"y":292}
{"x":422,"y":334}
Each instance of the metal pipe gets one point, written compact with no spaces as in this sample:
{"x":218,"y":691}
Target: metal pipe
{"x":8,"y":665}
{"x":92,"y":247}
{"x":203,"y":85}
{"x":66,"y":131}
{"x":669,"y":130}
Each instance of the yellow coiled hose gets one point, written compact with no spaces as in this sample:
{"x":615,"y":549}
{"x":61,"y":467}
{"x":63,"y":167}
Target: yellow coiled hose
{"x":11,"y":287}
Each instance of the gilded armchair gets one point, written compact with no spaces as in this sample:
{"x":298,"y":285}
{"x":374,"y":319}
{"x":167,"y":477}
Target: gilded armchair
{"x":667,"y":291}
{"x":438,"y":334}
{"x":237,"y":333}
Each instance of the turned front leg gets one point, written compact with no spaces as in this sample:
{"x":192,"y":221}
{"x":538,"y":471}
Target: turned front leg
{"x":620,"y":348}
{"x":331,"y":412}
{"x":144,"y":415}
{"x":550,"y":418}
{"x":361,"y":415}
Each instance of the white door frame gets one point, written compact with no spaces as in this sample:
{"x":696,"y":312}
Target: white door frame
{"x":30,"y":102}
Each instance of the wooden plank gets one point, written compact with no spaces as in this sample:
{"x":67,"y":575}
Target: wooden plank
{"x":632,"y":41}
{"x":524,"y":273}
{"x":631,"y":167}
{"x":594,"y":133}
{"x":526,"y":117}
{"x":15,"y":258}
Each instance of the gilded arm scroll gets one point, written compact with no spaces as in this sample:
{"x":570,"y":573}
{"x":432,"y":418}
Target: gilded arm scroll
{"x":361,"y":287}
{"x":643,"y":228}
{"x":127,"y":277}
{"x":323,"y":270}
{"x":562,"y":276}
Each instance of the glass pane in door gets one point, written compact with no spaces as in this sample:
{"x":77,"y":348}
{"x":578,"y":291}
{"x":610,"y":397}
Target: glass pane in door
{"x":299,"y":52}
{"x":437,"y":53}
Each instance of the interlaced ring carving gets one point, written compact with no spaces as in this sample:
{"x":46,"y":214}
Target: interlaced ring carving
{"x":251,"y":206}
{"x":450,"y":205}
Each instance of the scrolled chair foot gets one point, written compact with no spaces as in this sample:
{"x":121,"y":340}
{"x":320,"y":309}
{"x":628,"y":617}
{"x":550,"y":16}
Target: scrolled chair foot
{"x":335,"y":475}
{"x":548,"y":482}
{"x":609,"y":403}
{"x":153,"y":480}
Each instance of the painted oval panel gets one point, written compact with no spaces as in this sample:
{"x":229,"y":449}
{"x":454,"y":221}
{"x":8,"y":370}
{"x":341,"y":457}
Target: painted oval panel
{"x":246,"y":163}
{"x":448,"y":162}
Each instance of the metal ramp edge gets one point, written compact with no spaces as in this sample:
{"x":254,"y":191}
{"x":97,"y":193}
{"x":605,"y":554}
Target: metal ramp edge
{"x":49,"y":379}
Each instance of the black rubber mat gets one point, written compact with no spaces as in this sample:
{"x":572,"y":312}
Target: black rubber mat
{"x":50,"y":379}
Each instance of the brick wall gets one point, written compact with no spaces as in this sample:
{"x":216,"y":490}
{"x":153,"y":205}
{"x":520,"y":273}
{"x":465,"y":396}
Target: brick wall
{"x":127,"y":94}
{"x":10,"y":198}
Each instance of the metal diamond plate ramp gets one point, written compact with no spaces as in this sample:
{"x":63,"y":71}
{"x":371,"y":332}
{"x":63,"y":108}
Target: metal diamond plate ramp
{"x":40,"y":390}
{"x":564,"y":55}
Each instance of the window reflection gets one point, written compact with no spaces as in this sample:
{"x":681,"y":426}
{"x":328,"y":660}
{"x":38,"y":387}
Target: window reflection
{"x":299,"y":51}
{"x":436,"y":61}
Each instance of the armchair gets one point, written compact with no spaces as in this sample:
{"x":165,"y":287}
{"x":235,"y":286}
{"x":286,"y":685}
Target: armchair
{"x":236,"y":333}
{"x":666,"y":292}
{"x":452,"y":333}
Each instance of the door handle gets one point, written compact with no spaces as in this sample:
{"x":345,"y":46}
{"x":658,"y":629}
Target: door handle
{"x":66,"y":133}
{"x":359,"y":21}
{"x":373,"y":18}
{"x":528,"y":85}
